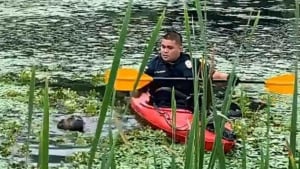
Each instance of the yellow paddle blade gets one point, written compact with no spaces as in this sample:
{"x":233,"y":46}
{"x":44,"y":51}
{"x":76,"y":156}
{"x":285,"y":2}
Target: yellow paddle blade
{"x":126,"y":78}
{"x":283,"y":84}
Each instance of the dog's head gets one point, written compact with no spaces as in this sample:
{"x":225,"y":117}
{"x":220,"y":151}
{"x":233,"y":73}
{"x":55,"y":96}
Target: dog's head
{"x":72,"y":123}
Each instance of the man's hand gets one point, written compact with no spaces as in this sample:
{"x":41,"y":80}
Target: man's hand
{"x":225,"y":77}
{"x":135,"y":93}
{"x":220,"y":76}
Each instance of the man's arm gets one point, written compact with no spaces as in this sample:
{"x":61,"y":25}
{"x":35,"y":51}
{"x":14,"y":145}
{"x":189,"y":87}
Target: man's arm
{"x":216,"y":75}
{"x":224,"y":76}
{"x":149,"y":70}
{"x":220,"y":75}
{"x":138,"y":92}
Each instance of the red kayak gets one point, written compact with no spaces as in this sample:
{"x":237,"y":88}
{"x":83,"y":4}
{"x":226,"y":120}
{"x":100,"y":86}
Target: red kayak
{"x":161,"y":118}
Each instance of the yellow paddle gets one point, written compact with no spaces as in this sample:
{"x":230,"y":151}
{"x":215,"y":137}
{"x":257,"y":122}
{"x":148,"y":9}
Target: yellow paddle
{"x":126,"y":77}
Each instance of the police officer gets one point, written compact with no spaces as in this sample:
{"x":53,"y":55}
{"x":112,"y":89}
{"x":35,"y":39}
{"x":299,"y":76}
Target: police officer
{"x":172,"y":62}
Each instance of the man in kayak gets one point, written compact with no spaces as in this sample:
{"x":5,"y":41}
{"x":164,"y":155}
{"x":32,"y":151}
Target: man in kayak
{"x":172,"y":62}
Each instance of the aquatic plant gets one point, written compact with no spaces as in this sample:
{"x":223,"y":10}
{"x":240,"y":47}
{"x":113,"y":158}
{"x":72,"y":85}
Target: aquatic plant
{"x":10,"y":131}
{"x":109,"y":87}
{"x":44,"y":135}
{"x":97,"y":79}
{"x":25,"y":76}
{"x":91,"y":107}
{"x":71,"y":105}
{"x":30,"y":110}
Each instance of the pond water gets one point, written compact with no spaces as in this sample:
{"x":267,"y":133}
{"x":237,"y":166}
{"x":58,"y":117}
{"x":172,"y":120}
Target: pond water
{"x":75,"y":39}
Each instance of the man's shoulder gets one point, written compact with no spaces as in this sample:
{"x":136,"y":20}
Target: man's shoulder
{"x":155,"y":59}
{"x":151,"y":66}
{"x":185,"y":56}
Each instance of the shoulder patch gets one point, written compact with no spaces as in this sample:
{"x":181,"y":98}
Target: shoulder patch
{"x":188,"y":64}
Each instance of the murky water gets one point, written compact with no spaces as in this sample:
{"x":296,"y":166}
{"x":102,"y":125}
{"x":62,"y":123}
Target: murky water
{"x":76,"y":38}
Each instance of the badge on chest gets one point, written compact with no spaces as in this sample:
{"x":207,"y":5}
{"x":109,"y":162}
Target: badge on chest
{"x":188,"y":64}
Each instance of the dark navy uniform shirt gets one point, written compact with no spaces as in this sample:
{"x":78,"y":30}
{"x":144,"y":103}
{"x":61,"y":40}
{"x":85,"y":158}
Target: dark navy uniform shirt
{"x":182,"y":67}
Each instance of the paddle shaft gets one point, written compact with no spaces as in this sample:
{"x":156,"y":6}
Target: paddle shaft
{"x":126,"y":79}
{"x":190,"y":78}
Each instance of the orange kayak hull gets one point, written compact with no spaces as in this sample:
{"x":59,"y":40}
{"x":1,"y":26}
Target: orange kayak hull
{"x":161,"y":118}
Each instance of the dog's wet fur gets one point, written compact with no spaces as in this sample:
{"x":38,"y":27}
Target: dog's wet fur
{"x":72,"y":123}
{"x":256,"y":105}
{"x":234,"y":111}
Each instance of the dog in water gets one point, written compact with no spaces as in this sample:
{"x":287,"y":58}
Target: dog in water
{"x":72,"y":123}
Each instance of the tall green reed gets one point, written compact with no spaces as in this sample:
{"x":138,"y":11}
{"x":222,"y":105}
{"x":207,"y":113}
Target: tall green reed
{"x":148,"y":51}
{"x":195,"y":147}
{"x":109,"y":158}
{"x":220,"y":122}
{"x":208,"y":102}
{"x":30,"y":111}
{"x":150,"y":47}
{"x":147,"y":54}
{"x":44,"y":139}
{"x":293,"y":129}
{"x":113,"y":72}
{"x":192,"y":155}
{"x":265,"y":156}
{"x":202,"y":23}
{"x":173,"y":107}
{"x":110,"y":85}
{"x":244,"y":154}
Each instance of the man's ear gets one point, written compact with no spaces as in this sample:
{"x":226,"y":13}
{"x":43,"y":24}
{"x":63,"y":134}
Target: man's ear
{"x":181,"y":49}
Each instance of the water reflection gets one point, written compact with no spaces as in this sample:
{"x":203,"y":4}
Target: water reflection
{"x":284,"y":4}
{"x":79,"y":36}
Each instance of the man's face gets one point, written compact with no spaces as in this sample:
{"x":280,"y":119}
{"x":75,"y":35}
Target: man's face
{"x":170,"y":50}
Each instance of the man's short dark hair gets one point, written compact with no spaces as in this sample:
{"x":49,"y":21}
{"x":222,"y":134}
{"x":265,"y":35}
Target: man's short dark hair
{"x":173,"y":35}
